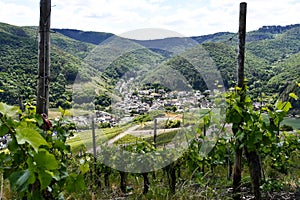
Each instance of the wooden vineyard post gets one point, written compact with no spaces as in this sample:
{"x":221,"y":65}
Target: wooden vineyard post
{"x":44,"y":58}
{"x":96,"y":173}
{"x":237,"y":173}
{"x":94,"y":138}
{"x":242,"y":43}
{"x":155,"y":133}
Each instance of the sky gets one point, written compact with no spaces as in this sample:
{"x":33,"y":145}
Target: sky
{"x":185,"y":17}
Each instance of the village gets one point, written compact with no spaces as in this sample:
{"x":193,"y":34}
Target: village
{"x":144,"y":100}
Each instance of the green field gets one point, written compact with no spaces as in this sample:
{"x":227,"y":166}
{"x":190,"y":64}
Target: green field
{"x":83,"y":139}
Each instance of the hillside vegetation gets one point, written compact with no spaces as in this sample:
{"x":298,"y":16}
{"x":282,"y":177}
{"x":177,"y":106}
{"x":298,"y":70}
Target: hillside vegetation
{"x":272,"y":60}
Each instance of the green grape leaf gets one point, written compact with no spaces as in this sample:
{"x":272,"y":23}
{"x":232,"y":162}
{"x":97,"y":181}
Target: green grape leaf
{"x":293,"y":95}
{"x":285,"y":106}
{"x":75,"y":183}
{"x":21,"y":180}
{"x":30,"y":120}
{"x":84,"y":168}
{"x":57,"y":175}
{"x":247,"y":100}
{"x":45,"y":160}
{"x":31,"y":136}
{"x":9,"y":111}
{"x":3,"y":130}
{"x":39,"y":120}
{"x":64,"y":112}
{"x":238,"y":109}
{"x":45,"y":178}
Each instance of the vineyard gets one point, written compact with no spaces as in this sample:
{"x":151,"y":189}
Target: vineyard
{"x":55,"y":163}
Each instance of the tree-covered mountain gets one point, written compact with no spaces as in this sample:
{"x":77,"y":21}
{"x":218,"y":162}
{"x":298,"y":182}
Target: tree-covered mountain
{"x":277,"y":47}
{"x":287,"y":71}
{"x":272,"y":60}
{"x":85,"y":36}
{"x":19,"y":66}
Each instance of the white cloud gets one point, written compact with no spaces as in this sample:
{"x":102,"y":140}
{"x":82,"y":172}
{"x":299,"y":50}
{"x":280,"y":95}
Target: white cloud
{"x":190,"y":17}
{"x":272,"y":13}
{"x":110,"y":15}
{"x":18,"y":14}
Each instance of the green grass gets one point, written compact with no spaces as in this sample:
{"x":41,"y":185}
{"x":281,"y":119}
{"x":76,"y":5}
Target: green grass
{"x":83,"y":139}
{"x":150,"y":125}
{"x":162,"y":138}
{"x":128,"y":139}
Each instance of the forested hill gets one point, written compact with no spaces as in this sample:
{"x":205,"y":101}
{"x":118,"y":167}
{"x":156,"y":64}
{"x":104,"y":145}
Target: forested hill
{"x":272,"y":60}
{"x":85,"y":36}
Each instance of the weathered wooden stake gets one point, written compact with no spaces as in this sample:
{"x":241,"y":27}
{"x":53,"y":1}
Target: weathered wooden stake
{"x":96,"y":173}
{"x":242,"y":43}
{"x":94,"y":138}
{"x":44,"y":58}
{"x":237,"y":173}
{"x":155,"y":133}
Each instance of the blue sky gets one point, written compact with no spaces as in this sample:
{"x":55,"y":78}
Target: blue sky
{"x":187,"y":17}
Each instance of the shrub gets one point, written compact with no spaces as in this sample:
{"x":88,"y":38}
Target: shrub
{"x":172,"y":124}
